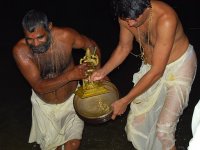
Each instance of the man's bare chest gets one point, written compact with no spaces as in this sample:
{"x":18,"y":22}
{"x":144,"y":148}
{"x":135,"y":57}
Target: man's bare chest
{"x":54,"y":62}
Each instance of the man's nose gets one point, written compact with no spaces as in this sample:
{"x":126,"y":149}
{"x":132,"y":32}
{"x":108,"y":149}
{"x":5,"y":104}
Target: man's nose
{"x":36,"y":42}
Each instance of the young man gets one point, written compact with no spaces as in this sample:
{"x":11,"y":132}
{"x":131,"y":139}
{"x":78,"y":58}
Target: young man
{"x":44,"y":58}
{"x":162,"y":86}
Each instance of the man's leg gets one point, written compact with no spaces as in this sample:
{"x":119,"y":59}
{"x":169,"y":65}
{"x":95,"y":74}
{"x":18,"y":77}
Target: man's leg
{"x":72,"y":144}
{"x":59,"y":148}
{"x":173,"y":148}
{"x":174,"y":105}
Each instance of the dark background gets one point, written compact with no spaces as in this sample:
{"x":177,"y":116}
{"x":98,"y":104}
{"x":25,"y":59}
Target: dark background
{"x":94,"y":19}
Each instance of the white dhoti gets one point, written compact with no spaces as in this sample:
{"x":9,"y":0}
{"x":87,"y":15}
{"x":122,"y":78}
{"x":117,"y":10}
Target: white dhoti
{"x":54,"y":124}
{"x":153,"y":115}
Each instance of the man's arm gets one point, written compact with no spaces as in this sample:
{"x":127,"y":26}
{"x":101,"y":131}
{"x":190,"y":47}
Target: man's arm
{"x":80,"y":41}
{"x":120,"y":53}
{"x":30,"y":71}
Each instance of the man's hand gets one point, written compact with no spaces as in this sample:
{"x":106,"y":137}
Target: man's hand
{"x":79,"y":72}
{"x":119,"y":107}
{"x":106,"y":78}
{"x":97,"y":75}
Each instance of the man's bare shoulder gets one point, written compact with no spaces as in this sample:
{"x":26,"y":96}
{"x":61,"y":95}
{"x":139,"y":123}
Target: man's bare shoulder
{"x":65,"y":32}
{"x":21,"y":49}
{"x":163,"y":8}
{"x":165,"y":14}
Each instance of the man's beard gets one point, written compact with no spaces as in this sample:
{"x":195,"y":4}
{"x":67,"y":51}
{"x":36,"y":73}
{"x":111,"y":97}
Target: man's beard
{"x":43,"y":47}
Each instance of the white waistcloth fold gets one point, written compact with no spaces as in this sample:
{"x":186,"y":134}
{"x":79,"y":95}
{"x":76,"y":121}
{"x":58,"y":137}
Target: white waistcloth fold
{"x":54,"y":124}
{"x":171,"y":91}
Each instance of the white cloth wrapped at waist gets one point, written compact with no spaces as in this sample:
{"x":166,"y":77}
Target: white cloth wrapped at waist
{"x":169,"y":96}
{"x":146,"y":100}
{"x":54,"y":124}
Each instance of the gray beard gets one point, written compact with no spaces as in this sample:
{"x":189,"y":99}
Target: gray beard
{"x":53,"y":63}
{"x":43,"y":47}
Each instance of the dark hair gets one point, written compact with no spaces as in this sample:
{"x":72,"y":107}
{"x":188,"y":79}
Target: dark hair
{"x":129,"y":8}
{"x":34,"y":19}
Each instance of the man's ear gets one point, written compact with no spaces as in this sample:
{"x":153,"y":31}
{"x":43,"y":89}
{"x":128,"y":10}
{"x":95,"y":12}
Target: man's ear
{"x":50,"y":25}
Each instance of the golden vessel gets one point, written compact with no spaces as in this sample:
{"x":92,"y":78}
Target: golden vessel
{"x":93,"y":100}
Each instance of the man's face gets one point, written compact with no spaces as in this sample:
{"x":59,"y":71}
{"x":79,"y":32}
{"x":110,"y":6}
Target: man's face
{"x":139,"y":20}
{"x":39,"y":41}
{"x":135,"y":22}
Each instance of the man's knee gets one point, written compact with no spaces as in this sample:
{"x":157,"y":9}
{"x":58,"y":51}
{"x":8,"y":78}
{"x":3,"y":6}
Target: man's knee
{"x":72,"y":145}
{"x":167,"y":139}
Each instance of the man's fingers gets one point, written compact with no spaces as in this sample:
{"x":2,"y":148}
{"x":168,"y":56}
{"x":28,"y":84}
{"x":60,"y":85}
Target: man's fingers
{"x":94,"y":76}
{"x":113,"y":117}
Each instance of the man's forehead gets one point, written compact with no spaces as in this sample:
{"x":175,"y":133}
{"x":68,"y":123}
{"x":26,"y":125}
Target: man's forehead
{"x":39,"y":31}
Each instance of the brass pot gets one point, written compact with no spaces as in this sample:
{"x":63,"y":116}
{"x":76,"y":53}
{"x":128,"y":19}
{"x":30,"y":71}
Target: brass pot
{"x":97,"y":108}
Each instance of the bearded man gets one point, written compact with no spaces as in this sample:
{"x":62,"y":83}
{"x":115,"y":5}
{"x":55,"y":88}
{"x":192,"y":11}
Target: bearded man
{"x":44,"y":58}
